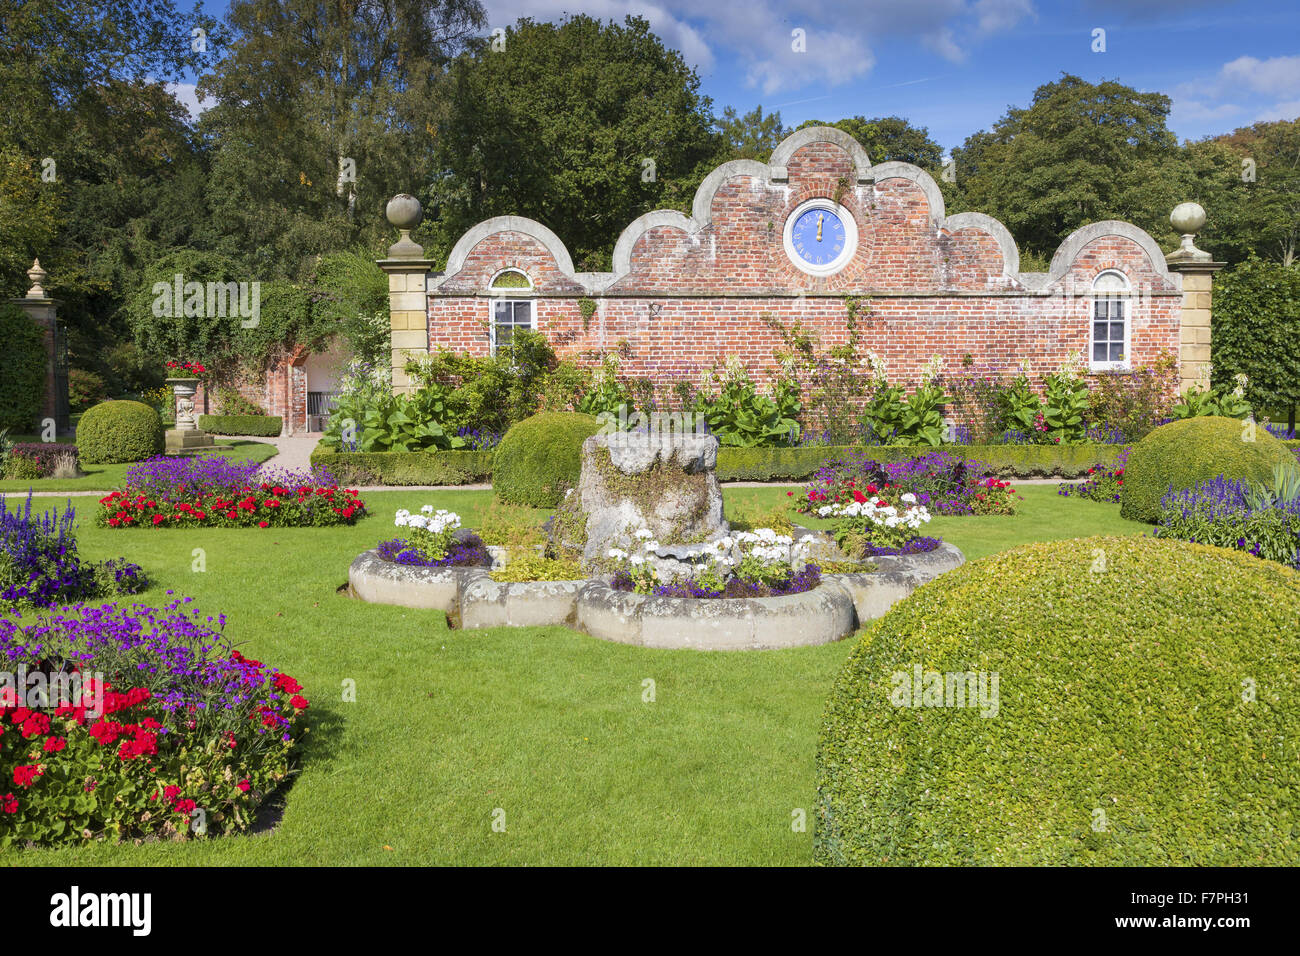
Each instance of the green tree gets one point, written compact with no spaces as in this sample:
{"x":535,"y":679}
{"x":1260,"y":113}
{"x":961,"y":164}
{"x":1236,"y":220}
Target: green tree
{"x":104,"y":146}
{"x":1079,"y":153}
{"x":752,"y":136}
{"x":322,"y":112}
{"x":581,"y":125}
{"x":1267,"y":215}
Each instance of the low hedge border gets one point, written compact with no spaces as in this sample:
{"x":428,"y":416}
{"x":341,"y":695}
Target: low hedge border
{"x":262,"y":426}
{"x":1005,"y":461}
{"x":405,"y":467}
{"x":734,"y":464}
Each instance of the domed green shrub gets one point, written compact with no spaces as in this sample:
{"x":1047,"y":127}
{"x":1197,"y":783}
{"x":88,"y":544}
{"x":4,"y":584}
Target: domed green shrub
{"x":1144,"y":713}
{"x":1185,"y":453}
{"x":541,"y":456}
{"x":113,"y":432}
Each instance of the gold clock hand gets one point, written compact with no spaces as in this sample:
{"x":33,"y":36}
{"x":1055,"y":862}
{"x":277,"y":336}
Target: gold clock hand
{"x":819,"y":226}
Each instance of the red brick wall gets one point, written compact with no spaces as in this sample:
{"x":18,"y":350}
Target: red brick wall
{"x":930,"y":291}
{"x":279,"y":389}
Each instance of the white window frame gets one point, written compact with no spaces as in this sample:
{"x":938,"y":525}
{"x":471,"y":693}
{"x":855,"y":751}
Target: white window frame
{"x":1124,"y":298}
{"x":517,"y":294}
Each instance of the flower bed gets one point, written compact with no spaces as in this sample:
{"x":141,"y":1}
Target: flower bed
{"x":435,"y":541}
{"x":1102,"y":484}
{"x":219,"y":493}
{"x":28,"y":461}
{"x":40,"y":566}
{"x":759,"y":563}
{"x":871,"y":525}
{"x":794,"y":583}
{"x":151,"y":725}
{"x":939,"y":481}
{"x":1226,"y":513}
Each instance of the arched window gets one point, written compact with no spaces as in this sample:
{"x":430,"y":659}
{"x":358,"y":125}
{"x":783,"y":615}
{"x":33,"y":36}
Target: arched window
{"x":1111,"y":325}
{"x":510,"y":309}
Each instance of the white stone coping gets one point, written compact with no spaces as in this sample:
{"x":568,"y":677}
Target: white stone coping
{"x":839,"y":606}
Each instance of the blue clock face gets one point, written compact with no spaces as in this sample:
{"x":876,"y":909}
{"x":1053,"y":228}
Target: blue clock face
{"x":818,"y":237}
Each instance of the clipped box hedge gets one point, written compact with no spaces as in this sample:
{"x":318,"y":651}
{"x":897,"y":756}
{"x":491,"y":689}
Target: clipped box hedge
{"x":405,"y":467}
{"x":734,"y":464}
{"x":263,"y":426}
{"x":1006,"y":461}
{"x":1119,"y":733}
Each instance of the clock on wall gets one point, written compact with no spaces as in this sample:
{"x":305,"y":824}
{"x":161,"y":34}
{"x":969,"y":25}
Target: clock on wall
{"x":820,"y":237}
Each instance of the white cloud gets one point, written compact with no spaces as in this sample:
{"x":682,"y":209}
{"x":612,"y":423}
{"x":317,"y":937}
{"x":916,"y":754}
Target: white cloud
{"x":188,"y":98}
{"x":841,"y":34}
{"x":1245,"y":90}
{"x":1289,"y":110}
{"x":1275,"y":76}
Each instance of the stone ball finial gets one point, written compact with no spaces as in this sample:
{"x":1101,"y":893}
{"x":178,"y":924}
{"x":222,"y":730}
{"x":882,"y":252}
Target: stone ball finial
{"x":1187,"y":218}
{"x":404,"y":211}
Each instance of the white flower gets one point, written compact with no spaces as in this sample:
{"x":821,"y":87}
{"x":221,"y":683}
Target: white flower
{"x":618,"y":554}
{"x":637,"y":560}
{"x":653,"y":546}
{"x":428,"y":509}
{"x":909,"y":498}
{"x":644,"y":534}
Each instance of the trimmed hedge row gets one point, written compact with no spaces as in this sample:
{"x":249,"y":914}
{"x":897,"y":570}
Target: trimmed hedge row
{"x":734,"y":464}
{"x":405,"y":467}
{"x":1005,"y":461}
{"x":263,"y":426}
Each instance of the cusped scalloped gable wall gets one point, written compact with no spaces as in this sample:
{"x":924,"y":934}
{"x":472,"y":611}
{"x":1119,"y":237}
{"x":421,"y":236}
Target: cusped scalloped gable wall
{"x":686,"y":291}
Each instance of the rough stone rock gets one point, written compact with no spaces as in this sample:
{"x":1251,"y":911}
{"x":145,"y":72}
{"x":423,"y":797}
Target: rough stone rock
{"x":663,"y":481}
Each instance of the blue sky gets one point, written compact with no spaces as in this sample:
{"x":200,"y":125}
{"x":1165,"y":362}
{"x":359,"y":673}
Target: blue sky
{"x":955,"y":65}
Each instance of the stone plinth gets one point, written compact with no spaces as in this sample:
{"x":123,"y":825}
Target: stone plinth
{"x":664,"y":482}
{"x":186,"y":437}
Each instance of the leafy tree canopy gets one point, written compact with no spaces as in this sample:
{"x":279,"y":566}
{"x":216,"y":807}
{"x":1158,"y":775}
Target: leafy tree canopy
{"x":581,"y":125}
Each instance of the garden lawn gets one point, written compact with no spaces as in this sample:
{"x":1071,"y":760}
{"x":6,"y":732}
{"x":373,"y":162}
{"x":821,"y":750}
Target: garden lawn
{"x":546,"y":724}
{"x":109,"y":477}
{"x":1043,"y":515}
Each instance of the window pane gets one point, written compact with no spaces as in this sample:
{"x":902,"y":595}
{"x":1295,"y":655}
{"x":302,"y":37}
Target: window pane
{"x":1099,"y":308}
{"x":1116,"y":351}
{"x":1117,"y":331}
{"x":1099,"y":331}
{"x":1099,"y":352}
{"x":504,"y":333}
{"x":501,"y":311}
{"x":523,"y":313}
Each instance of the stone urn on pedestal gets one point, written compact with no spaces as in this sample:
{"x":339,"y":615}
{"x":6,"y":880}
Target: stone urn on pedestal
{"x":186,"y":436}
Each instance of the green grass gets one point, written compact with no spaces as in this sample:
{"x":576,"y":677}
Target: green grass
{"x":1043,"y":515}
{"x":545,"y":723}
{"x":108,"y":477}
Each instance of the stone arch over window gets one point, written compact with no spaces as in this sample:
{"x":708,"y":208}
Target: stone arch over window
{"x":511,"y":281}
{"x":1111,"y":322}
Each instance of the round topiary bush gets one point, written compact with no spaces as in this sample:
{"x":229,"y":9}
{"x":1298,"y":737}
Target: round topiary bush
{"x":540,"y":457}
{"x":1138,"y":708}
{"x":112,"y":432}
{"x":1185,"y":453}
